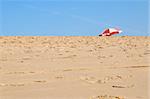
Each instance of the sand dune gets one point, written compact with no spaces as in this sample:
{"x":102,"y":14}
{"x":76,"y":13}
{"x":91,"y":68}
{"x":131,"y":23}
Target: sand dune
{"x":74,"y":67}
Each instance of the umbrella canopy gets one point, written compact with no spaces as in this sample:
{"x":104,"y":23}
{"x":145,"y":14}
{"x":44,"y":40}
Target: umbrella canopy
{"x":110,"y":31}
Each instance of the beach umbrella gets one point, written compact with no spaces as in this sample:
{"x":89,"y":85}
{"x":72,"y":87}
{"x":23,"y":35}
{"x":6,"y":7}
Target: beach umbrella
{"x":110,"y":32}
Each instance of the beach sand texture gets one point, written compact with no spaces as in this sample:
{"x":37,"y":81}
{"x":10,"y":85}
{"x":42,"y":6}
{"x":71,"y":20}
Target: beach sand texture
{"x":74,"y":67}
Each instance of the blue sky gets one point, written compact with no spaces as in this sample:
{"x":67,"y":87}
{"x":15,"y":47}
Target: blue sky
{"x":72,"y":17}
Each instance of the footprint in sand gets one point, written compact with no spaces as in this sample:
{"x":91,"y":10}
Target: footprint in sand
{"x":89,"y":79}
{"x":68,"y":70}
{"x":15,"y":73}
{"x":21,"y":61}
{"x":79,"y":69}
{"x":107,"y":97}
{"x":118,"y":86}
{"x":16,"y":85}
{"x":40,"y":81}
{"x":12,"y":84}
{"x":26,"y":58}
{"x":3,"y":84}
{"x":20,"y":72}
{"x":59,"y":77}
{"x":136,"y":67}
{"x":4,"y":59}
{"x":71,"y":56}
{"x":123,"y":86}
{"x":67,"y":51}
{"x":92,"y":80}
{"x":147,"y":53}
{"x":31,"y":72}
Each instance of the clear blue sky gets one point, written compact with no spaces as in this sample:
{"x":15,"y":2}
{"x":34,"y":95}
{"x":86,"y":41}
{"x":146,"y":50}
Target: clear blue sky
{"x":72,"y":17}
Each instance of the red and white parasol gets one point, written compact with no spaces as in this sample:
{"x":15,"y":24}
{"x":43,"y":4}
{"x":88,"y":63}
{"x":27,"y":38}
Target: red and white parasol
{"x":110,"y":32}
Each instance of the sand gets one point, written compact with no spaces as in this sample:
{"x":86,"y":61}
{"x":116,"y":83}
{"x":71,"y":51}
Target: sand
{"x":74,"y":67}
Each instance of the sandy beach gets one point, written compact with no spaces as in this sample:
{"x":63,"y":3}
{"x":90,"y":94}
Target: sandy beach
{"x":74,"y":67}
